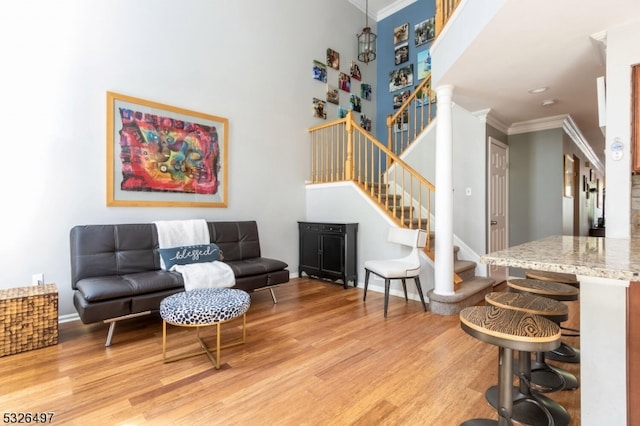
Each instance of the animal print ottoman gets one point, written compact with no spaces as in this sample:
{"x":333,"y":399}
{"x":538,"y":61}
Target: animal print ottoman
{"x":201,"y":308}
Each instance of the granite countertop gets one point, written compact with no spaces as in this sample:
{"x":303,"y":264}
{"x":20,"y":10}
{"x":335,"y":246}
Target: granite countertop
{"x":616,"y":258}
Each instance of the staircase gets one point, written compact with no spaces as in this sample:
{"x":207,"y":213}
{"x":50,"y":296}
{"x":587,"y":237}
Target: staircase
{"x":470,"y":291}
{"x":342,"y":151}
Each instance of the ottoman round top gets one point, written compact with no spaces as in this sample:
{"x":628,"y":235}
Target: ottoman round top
{"x":204,"y":306}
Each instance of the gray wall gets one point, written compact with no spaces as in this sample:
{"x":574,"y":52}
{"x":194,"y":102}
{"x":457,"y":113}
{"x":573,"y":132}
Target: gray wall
{"x":535,"y":185}
{"x":248,"y":61}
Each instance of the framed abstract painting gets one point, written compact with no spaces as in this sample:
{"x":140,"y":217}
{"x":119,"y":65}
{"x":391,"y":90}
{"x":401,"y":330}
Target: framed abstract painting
{"x":164,"y":156}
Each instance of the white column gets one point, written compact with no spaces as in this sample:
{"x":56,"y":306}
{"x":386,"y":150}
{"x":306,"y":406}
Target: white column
{"x":444,"y":194}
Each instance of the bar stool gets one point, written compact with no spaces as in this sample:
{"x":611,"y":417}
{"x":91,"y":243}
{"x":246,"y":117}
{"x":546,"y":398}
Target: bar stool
{"x":563,"y":353}
{"x":557,"y":291}
{"x":525,"y":410}
{"x":509,"y":330}
{"x":556,"y":277}
{"x":547,"y":378}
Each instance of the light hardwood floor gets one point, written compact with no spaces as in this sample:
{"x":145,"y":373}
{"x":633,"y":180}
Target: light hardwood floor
{"x":319,"y":357}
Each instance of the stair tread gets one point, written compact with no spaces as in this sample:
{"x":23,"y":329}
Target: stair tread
{"x":463,"y":265}
{"x":467,"y":289}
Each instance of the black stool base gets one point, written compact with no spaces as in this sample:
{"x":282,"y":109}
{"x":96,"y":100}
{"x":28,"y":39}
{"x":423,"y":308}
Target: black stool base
{"x":527,"y":412}
{"x":547,"y":378}
{"x":564,"y":353}
{"x":479,"y":422}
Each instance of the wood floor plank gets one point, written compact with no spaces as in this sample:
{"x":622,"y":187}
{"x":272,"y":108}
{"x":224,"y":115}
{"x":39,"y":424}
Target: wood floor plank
{"x":321,"y":356}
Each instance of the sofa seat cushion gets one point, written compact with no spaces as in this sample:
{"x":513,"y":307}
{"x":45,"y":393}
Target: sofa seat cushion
{"x":255,"y":266}
{"x":116,"y":286}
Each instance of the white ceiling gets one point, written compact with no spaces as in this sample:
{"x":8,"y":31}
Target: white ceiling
{"x":531,"y":44}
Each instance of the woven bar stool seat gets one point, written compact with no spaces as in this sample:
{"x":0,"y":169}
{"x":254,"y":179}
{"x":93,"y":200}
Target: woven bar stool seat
{"x":527,"y":401}
{"x":557,"y":277}
{"x":509,"y":330}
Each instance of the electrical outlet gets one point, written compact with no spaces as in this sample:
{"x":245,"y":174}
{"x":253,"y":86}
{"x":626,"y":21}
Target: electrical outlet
{"x":37,"y":279}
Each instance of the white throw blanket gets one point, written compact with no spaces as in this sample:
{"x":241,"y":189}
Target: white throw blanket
{"x":177,"y":233}
{"x":206,"y":275}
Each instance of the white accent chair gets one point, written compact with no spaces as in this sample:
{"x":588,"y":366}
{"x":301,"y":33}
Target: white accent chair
{"x":399,"y":269}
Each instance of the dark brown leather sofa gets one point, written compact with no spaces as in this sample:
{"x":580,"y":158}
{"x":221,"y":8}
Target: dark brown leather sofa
{"x":116,"y":274}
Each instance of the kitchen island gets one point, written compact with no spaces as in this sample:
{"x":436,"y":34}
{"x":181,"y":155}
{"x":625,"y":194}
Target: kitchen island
{"x":609,"y":271}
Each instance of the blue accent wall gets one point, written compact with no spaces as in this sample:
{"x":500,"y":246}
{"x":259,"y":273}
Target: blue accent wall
{"x":412,"y":15}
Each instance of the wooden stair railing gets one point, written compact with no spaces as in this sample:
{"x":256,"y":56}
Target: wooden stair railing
{"x":343,"y":151}
{"x":444,"y":10}
{"x":412,"y":117}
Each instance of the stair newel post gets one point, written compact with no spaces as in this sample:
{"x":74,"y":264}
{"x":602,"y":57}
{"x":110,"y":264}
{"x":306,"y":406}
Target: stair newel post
{"x":348,"y":164}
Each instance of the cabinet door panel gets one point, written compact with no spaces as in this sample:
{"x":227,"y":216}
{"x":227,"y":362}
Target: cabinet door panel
{"x":309,"y":254}
{"x":332,"y":254}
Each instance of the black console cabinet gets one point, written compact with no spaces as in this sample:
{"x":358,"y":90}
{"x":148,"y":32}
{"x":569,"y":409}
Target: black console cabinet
{"x":329,"y":250}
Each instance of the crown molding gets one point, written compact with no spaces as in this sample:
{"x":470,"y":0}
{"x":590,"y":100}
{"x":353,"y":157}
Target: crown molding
{"x":554,"y":122}
{"x":572,"y":130}
{"x":599,"y":41}
{"x":490,"y":118}
{"x":392,"y":8}
{"x":378,"y":15}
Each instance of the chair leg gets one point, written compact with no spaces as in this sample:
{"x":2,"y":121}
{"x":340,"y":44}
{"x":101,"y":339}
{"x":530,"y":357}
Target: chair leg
{"x":404,"y":287}
{"x":366,"y":284}
{"x":419,"y":286}
{"x":387,"y":283}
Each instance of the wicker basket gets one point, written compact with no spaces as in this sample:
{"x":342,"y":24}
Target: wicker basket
{"x":28,"y":318}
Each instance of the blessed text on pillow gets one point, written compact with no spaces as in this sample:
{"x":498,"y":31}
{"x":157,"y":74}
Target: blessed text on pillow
{"x":185,"y":255}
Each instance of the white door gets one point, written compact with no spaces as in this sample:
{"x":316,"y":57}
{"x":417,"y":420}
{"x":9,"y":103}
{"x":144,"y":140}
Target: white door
{"x":498,"y":204}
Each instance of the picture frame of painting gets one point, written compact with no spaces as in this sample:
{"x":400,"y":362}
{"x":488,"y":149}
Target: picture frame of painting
{"x":342,"y":112}
{"x":319,"y":71}
{"x":160,"y":155}
{"x":423,"y":63}
{"x":402,"y":53}
{"x":365,"y":91}
{"x":333,"y":59}
{"x":355,"y":103}
{"x":401,"y":78}
{"x":333,"y":95}
{"x":355,"y":71}
{"x":319,"y":108}
{"x":424,"y":31}
{"x":344,"y":82}
{"x":401,"y":33}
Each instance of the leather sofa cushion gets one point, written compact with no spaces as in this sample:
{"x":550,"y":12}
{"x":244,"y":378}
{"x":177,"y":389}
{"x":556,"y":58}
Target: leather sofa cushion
{"x":256,"y":266}
{"x":115,"y":286}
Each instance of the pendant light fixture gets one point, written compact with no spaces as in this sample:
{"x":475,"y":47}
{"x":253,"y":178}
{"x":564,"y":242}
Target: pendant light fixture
{"x":366,"y":40}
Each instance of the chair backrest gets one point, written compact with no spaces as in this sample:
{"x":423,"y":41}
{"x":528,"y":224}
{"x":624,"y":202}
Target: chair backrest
{"x":415,"y":238}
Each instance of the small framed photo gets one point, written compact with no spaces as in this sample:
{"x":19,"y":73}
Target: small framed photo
{"x":423,"y":63}
{"x":401,"y":78}
{"x":365,"y":91}
{"x":365,"y":122}
{"x":333,"y":95}
{"x":399,"y":99}
{"x":319,"y":108}
{"x":342,"y":112}
{"x":355,"y":103}
{"x":344,"y":82}
{"x":333,"y":59}
{"x":319,"y":71}
{"x":402,"y":53}
{"x":401,"y":33}
{"x":355,"y":71}
{"x":424,"y":31}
